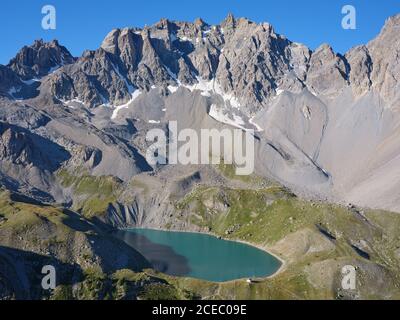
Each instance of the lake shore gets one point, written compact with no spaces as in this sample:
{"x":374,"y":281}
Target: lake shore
{"x":260,"y":247}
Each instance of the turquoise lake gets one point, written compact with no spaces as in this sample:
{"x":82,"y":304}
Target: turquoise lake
{"x":200,"y":256}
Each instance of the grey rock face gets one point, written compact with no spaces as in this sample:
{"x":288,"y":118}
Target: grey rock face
{"x":327,"y":74}
{"x":21,"y":147}
{"x":9,"y":82}
{"x":360,"y":62}
{"x":384,"y":51}
{"x":246,"y":59}
{"x":242,"y":56}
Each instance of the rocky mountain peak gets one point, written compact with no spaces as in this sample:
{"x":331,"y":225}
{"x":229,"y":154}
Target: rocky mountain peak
{"x":199,"y":23}
{"x":249,"y":61}
{"x":229,"y":21}
{"x":39,"y":59}
{"x":383,"y":53}
{"x":328,"y":71}
{"x":110,"y":42}
{"x":392,"y":22}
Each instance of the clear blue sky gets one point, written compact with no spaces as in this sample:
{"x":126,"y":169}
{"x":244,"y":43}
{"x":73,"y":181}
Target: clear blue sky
{"x":82,"y":24}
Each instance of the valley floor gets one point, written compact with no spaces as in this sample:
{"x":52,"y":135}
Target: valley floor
{"x":313,"y":239}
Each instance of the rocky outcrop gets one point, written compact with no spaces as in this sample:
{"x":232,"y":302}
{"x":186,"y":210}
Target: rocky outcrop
{"x":360,"y":63}
{"x":246,"y":59}
{"x":9,"y":82}
{"x":24,"y":148}
{"x":384,"y":52}
{"x":47,"y":235}
{"x":327,"y":74}
{"x":39,"y":59}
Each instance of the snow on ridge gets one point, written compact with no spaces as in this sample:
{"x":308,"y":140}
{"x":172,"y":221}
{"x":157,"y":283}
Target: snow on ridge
{"x":68,"y":102}
{"x":251,"y":121}
{"x":135,"y":94}
{"x":311,"y":90}
{"x":77,"y":100}
{"x":30,"y":81}
{"x":218,"y":114}
{"x":171,"y":74}
{"x":74,"y":101}
{"x":207,"y":87}
{"x":173,"y":89}
{"x":55,"y":68}
{"x":184,"y":38}
{"x":129,"y":86}
{"x":12,"y":91}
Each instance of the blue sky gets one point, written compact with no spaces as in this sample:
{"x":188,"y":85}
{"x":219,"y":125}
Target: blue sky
{"x":83,"y":24}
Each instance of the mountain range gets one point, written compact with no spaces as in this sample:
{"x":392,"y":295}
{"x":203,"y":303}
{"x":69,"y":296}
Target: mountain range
{"x":72,"y":130}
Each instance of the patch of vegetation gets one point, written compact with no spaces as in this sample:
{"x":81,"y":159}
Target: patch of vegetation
{"x":159,"y":291}
{"x":21,"y":217}
{"x":131,"y":276}
{"x":240,"y":213}
{"x":94,"y":285}
{"x":63,"y":292}
{"x":229,"y":171}
{"x":92,"y":194}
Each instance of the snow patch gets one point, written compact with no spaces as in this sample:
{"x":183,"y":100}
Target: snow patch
{"x":220,"y":114}
{"x":127,"y":84}
{"x":311,"y":90}
{"x":54,"y":69}
{"x":184,"y":38}
{"x":251,"y":121}
{"x":171,"y":74}
{"x":31,"y":81}
{"x":135,"y":94}
{"x":173,"y":89}
{"x":206,"y":88}
{"x":68,"y":103}
{"x":13,"y":91}
{"x":211,"y":86}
